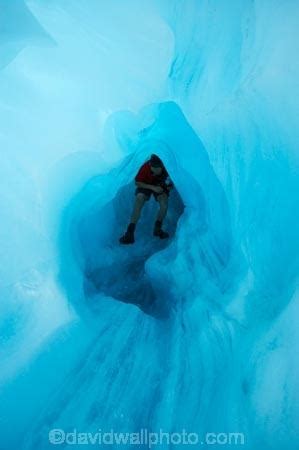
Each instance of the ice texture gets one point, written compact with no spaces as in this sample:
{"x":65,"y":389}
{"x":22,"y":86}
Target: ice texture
{"x":199,"y":332}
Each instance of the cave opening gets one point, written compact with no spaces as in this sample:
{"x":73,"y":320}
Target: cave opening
{"x":154,"y":275}
{"x":120,"y":271}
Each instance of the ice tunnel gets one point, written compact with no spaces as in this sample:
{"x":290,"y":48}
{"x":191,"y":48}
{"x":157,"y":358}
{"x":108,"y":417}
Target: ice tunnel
{"x":141,"y":274}
{"x":189,"y":341}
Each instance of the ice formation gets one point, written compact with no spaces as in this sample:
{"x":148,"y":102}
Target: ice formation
{"x":197,"y":333}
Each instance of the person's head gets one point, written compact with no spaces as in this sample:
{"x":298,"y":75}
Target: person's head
{"x":156,"y":165}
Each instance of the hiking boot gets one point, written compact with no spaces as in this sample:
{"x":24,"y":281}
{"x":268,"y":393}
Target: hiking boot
{"x":158,"y":232}
{"x":128,"y":237}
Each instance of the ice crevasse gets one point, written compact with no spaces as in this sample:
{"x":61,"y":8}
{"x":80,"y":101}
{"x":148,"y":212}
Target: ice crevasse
{"x":198,"y":333}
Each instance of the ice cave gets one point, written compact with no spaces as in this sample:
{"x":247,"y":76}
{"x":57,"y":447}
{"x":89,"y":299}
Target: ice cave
{"x":193,"y":337}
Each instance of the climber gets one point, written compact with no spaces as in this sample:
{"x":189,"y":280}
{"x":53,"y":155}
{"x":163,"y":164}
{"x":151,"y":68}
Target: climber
{"x":152,"y":178}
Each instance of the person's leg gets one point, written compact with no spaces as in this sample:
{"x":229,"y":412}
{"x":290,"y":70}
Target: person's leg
{"x":163,"y":203}
{"x":128,"y":237}
{"x":139,"y":203}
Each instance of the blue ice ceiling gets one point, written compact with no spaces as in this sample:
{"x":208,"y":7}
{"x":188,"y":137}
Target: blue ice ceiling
{"x":199,"y":332}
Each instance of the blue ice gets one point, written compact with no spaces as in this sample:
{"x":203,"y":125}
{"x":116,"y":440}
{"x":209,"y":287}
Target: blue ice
{"x":198,"y":333}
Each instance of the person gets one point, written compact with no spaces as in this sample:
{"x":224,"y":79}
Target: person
{"x":151,"y":179}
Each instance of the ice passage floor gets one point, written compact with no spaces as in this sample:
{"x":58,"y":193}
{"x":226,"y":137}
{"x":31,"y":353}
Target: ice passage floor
{"x":196,"y":333}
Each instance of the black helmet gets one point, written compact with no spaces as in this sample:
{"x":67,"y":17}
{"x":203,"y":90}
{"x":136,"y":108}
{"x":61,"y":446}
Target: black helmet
{"x":156,"y":161}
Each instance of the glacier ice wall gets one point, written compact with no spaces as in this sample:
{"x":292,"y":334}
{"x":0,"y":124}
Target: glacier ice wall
{"x":200,"y":332}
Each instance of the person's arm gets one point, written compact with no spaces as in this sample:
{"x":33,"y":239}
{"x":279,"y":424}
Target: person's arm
{"x":157,"y":189}
{"x":168,"y":184}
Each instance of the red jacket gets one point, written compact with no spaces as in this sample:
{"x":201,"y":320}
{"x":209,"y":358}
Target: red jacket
{"x":145,"y":175}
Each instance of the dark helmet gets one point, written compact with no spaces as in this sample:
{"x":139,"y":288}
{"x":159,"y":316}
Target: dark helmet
{"x":155,"y":161}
